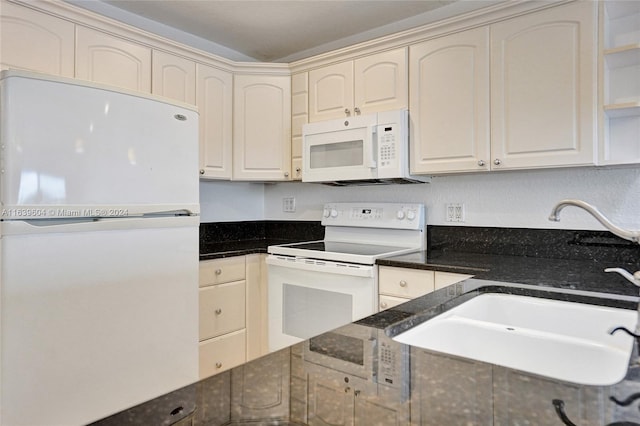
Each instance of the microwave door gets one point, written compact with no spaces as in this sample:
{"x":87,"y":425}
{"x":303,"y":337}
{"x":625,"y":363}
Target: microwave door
{"x":340,"y":155}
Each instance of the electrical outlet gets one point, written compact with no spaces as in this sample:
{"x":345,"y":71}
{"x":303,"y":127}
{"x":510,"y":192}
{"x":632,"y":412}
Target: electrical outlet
{"x":454,"y":212}
{"x":289,"y":204}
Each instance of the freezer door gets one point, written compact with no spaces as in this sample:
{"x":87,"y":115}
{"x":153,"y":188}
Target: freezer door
{"x":97,"y":319}
{"x":74,"y":149}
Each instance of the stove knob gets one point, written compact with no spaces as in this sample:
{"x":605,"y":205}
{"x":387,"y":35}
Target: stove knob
{"x":400,"y":215}
{"x":334,"y":213}
{"x":411,"y":215}
{"x":326,"y":213}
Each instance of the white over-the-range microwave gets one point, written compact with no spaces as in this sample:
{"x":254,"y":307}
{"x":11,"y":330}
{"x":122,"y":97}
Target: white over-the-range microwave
{"x":364,"y":149}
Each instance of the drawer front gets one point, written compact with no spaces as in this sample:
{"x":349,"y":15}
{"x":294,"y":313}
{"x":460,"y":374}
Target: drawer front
{"x":222,"y":353}
{"x":220,"y":271}
{"x":443,"y":279}
{"x":403,"y":282}
{"x":387,"y":302}
{"x":222,"y":309}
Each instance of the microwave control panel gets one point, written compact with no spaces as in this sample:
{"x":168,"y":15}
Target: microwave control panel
{"x":387,"y":141}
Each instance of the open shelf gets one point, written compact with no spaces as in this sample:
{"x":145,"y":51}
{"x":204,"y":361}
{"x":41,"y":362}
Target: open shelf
{"x":627,"y":109}
{"x":622,"y":56}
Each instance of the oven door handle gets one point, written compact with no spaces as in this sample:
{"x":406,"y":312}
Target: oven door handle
{"x":325,"y":266}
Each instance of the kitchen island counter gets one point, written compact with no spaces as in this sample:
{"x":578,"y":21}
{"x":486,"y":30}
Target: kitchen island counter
{"x":435,"y":388}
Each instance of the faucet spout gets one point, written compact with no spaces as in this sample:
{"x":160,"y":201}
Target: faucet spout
{"x":620,"y":232}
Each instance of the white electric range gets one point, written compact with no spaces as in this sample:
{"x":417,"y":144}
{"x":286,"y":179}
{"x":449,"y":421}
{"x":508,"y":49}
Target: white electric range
{"x":317,"y":286}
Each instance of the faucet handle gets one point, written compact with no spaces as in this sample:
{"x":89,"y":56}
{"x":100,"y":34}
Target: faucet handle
{"x":635,"y":278}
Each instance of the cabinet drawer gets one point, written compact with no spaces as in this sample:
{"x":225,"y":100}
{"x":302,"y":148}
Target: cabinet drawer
{"x":403,"y":282}
{"x":222,"y":353}
{"x":387,"y":302}
{"x":219,"y":271}
{"x":222,"y":309}
{"x":443,"y":279}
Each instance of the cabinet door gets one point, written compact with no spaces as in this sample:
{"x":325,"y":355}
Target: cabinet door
{"x":111,"y":60}
{"x":299,"y":117}
{"x":331,"y":92}
{"x":173,"y":77}
{"x":543,"y":88}
{"x":521,"y":398}
{"x":262,"y":128}
{"x":450,"y":130}
{"x":260,"y":389}
{"x":214,"y":100}
{"x":35,"y":41}
{"x":381,"y":82}
{"x":450,"y":391}
{"x":330,"y":402}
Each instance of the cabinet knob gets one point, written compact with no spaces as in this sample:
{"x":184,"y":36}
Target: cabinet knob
{"x":298,"y":169}
{"x":356,"y":110}
{"x":218,"y":311}
{"x":347,"y":112}
{"x":481,"y":163}
{"x":286,"y":174}
{"x":383,"y":305}
{"x":201,"y":171}
{"x":403,"y":283}
{"x":218,"y":365}
{"x":218,"y":271}
{"x":356,"y":392}
{"x":497,"y":162}
{"x":347,"y":389}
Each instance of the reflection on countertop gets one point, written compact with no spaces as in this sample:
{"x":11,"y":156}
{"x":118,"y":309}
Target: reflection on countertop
{"x":326,"y":381}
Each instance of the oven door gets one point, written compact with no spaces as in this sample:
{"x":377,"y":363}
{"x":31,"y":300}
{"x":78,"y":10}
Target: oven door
{"x":332,"y":153}
{"x":308,"y":297}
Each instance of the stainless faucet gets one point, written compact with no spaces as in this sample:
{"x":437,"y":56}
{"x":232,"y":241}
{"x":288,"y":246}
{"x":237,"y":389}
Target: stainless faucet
{"x":620,"y":232}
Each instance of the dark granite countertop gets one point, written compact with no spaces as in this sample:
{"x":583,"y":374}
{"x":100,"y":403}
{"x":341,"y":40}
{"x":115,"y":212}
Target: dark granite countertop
{"x":286,"y":387}
{"x":216,"y":250}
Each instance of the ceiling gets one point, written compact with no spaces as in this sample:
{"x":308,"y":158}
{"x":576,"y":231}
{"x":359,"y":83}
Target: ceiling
{"x":285,"y":31}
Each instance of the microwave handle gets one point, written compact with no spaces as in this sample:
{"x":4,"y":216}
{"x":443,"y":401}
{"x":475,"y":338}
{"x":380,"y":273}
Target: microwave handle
{"x":372,"y":148}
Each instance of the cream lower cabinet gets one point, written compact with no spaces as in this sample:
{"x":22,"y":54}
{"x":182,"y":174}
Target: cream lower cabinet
{"x":34,"y":41}
{"x":533,"y":77}
{"x":399,"y":285}
{"x":222,"y":311}
{"x":262,"y":127}
{"x":370,"y":84}
{"x":232,"y":311}
{"x":111,"y":60}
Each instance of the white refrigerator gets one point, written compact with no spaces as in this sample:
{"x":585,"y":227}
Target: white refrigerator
{"x":98,"y":249}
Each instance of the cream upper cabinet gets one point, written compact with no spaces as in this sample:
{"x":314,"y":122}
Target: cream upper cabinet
{"x":533,"y":78}
{"x":373,"y":83}
{"x":262,"y":127}
{"x":173,"y":77}
{"x":450,"y":120}
{"x":215,"y":104}
{"x":111,"y":60}
{"x":35,"y":41}
{"x":299,"y":117}
{"x":544,"y":88}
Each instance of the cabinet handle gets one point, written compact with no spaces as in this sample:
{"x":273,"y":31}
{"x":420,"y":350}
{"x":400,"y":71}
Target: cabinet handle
{"x":218,"y":271}
{"x":218,"y":311}
{"x":481,"y":163}
{"x":497,"y":162}
{"x":403,"y":283}
{"x":218,"y":365}
{"x":201,"y":171}
{"x":347,"y":112}
{"x":356,"y":110}
{"x":356,"y":392}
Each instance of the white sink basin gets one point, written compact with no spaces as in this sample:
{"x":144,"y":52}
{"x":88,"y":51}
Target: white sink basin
{"x":563,"y":340}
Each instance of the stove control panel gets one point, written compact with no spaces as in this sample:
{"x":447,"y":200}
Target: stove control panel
{"x":375,"y":215}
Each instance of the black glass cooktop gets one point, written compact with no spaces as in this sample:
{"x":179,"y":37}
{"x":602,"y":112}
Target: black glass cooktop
{"x":346,"y":248}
